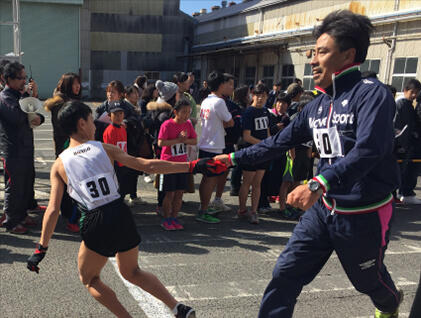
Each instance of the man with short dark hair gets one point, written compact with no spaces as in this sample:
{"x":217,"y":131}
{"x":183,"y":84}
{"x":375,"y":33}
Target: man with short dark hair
{"x":17,"y":150}
{"x":406,"y":143}
{"x":351,"y":124}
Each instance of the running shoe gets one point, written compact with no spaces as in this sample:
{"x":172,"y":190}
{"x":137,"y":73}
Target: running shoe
{"x":253,"y":218}
{"x":290,"y":214}
{"x":206,"y":218}
{"x":136,"y":201}
{"x":38,"y":209}
{"x":265,"y":209}
{"x":212,"y":211}
{"x":2,"y":219}
{"x":234,"y":192}
{"x":167,"y":225}
{"x":18,"y":229}
{"x":176,"y":223}
{"x":241,"y":214}
{"x":183,"y":311}
{"x":29,"y":222}
{"x":72,"y":227}
{"x":395,"y":314}
{"x":410,"y":200}
{"x":218,"y":204}
{"x":148,"y":179}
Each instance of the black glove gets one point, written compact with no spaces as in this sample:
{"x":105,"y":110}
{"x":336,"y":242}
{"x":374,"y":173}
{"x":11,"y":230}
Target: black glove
{"x":208,"y":167}
{"x":37,"y":257}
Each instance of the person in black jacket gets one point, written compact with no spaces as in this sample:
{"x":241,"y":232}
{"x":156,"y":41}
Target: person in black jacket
{"x":407,"y":137}
{"x":68,"y":88}
{"x":242,"y":98}
{"x":17,"y":150}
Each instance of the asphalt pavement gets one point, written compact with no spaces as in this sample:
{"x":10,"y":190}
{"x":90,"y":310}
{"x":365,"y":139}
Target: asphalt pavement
{"x":221,"y":270}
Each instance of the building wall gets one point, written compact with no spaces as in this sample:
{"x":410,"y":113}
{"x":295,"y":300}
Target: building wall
{"x":127,"y":38}
{"x":274,"y":58}
{"x":49,"y":39}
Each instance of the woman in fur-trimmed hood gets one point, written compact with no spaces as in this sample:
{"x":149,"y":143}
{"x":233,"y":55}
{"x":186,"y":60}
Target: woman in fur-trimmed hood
{"x":160,"y":110}
{"x":68,"y":88}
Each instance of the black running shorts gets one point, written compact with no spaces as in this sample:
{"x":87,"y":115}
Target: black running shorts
{"x":173,"y":182}
{"x":109,"y":229}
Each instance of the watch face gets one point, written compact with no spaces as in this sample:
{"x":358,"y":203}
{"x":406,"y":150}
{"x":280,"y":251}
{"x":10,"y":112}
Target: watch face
{"x":313,"y":186}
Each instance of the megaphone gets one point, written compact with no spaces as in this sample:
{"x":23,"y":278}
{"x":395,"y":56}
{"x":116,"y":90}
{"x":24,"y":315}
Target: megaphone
{"x":30,"y":105}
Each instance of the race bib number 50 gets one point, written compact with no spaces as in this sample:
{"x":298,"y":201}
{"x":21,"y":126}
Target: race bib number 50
{"x":98,"y":187}
{"x":327,"y":142}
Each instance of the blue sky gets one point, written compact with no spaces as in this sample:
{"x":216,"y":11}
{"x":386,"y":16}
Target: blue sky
{"x":190,"y":6}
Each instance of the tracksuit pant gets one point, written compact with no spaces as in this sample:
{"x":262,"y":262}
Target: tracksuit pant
{"x":18,"y":189}
{"x":359,"y":240}
{"x":416,"y":305}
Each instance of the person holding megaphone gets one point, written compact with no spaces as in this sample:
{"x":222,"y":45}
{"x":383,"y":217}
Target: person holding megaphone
{"x":17,"y":150}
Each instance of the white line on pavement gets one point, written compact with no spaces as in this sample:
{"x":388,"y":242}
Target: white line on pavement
{"x":151,"y":306}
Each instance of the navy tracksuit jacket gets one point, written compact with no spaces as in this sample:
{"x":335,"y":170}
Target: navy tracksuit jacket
{"x":351,"y":124}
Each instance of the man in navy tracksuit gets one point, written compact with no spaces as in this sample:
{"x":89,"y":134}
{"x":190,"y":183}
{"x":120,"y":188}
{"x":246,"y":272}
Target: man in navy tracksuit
{"x":351,"y":125}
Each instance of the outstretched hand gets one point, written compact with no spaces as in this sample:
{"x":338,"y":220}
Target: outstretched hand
{"x":36,"y":258}
{"x":225,"y":159}
{"x":207,"y":166}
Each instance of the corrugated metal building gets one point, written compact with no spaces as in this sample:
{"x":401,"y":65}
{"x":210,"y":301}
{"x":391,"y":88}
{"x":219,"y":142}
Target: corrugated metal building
{"x":49,"y":38}
{"x":122,"y":39}
{"x":102,"y":40}
{"x":268,"y":39}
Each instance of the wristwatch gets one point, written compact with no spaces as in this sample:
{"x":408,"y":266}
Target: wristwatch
{"x":314,"y":186}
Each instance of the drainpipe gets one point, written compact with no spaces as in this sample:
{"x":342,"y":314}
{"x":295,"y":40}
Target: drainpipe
{"x":391,"y":50}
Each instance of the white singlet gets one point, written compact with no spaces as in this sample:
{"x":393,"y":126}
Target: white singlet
{"x":91,"y":177}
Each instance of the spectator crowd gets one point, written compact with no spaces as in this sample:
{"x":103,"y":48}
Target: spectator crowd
{"x":160,"y":119}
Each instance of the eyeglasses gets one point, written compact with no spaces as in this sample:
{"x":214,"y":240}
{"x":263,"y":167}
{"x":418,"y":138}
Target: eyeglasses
{"x":21,"y":78}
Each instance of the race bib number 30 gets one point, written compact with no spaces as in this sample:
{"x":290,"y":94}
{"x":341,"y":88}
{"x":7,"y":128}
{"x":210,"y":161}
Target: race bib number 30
{"x":98,"y":187}
{"x":327,"y":142}
{"x":261,"y":123}
{"x":178,"y":150}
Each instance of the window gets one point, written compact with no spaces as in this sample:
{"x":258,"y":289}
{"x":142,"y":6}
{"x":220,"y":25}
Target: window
{"x":268,"y":72}
{"x":370,"y":65}
{"x":308,"y":81}
{"x":250,"y":75}
{"x":152,"y":75}
{"x":287,"y":75}
{"x":404,"y":70}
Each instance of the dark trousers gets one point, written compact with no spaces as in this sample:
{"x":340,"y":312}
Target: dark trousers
{"x":236,"y":174}
{"x":18,"y":189}
{"x":416,"y":305}
{"x":409,"y":176}
{"x":359,"y":240}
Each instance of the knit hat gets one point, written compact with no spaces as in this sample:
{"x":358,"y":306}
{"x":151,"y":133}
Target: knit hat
{"x":166,"y":90}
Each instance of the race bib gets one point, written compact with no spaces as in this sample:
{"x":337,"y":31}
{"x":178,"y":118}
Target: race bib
{"x":327,"y":142}
{"x":261,"y":123}
{"x":178,"y":150}
{"x":98,"y":187}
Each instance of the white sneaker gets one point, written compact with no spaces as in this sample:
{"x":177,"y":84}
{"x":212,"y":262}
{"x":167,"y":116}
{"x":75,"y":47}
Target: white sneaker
{"x":148,"y":179}
{"x":136,"y":201}
{"x":412,"y":200}
{"x":218,"y":204}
